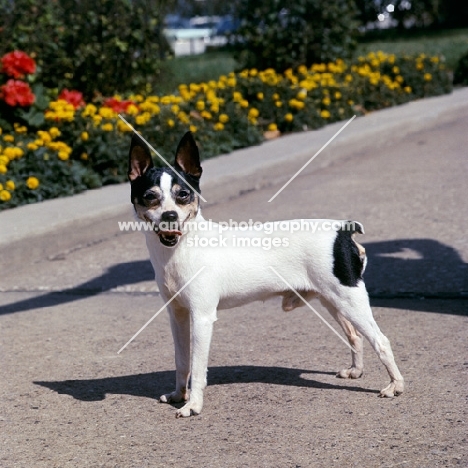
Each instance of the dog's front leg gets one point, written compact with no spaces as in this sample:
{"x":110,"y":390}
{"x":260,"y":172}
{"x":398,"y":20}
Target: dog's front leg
{"x":180,"y":326}
{"x":202,"y":330}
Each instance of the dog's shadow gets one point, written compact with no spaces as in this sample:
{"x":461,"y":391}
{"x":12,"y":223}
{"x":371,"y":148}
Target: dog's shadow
{"x":154,"y":384}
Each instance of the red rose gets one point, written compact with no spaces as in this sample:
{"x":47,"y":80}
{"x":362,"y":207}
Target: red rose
{"x":17,"y":64}
{"x":17,"y":93}
{"x":117,"y":106}
{"x":72,"y":97}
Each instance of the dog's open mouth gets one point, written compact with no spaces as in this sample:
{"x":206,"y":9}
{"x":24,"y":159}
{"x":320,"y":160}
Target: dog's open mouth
{"x":169,"y":238}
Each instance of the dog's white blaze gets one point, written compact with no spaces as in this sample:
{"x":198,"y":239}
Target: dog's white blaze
{"x":166,"y":185}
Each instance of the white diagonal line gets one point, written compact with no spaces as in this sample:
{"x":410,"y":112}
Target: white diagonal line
{"x":160,"y":310}
{"x":313,"y":310}
{"x":160,"y":157}
{"x":312,"y":158}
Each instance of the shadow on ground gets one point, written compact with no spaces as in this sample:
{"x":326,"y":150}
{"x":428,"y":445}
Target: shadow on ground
{"x":400,"y":269}
{"x":154,"y":384}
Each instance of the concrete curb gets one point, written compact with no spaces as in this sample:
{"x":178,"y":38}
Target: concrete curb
{"x":42,"y":230}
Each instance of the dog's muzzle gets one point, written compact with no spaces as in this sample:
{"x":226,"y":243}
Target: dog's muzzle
{"x":168,"y":229}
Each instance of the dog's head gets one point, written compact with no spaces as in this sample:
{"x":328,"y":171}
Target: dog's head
{"x":162,"y":197}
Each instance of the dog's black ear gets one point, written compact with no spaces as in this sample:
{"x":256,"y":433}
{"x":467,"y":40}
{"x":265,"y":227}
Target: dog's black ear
{"x":187,"y":157}
{"x":139,"y":160}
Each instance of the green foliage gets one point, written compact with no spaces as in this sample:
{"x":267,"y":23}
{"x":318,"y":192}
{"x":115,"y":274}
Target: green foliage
{"x":107,"y":46}
{"x":461,"y":72}
{"x":280,"y":34}
{"x":86,"y":146}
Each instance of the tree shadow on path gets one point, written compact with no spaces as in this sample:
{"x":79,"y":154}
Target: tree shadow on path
{"x":398,"y":270}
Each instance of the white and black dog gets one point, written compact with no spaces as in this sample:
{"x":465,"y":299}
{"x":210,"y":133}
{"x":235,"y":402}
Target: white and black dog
{"x":326,"y":263}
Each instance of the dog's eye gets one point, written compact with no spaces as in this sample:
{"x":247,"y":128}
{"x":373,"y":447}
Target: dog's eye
{"x":183,"y":194}
{"x":150,"y":196}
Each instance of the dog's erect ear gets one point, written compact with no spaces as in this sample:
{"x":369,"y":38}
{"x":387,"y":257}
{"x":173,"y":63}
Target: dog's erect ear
{"x":139,"y":160}
{"x":187,"y":157}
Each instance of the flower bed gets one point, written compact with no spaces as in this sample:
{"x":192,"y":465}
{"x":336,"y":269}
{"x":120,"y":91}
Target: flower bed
{"x":65,"y":146}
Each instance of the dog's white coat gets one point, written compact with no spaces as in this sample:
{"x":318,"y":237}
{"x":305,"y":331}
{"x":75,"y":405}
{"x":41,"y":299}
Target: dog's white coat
{"x":234,"y":276}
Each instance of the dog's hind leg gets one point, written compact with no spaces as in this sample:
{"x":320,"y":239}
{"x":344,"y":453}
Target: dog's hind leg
{"x":353,"y":304}
{"x":180,"y":326}
{"x":355,"y":340}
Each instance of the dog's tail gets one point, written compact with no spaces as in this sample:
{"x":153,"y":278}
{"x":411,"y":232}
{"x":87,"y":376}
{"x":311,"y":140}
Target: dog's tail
{"x":349,"y":257}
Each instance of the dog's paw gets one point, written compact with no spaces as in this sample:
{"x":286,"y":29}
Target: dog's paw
{"x":174,"y":397}
{"x":395,"y":388}
{"x":190,"y":409}
{"x":350,"y":373}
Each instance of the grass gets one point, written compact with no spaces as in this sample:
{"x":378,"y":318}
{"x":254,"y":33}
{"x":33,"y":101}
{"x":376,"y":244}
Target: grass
{"x":195,"y":69}
{"x":452,"y":44}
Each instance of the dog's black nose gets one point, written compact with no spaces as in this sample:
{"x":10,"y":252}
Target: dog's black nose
{"x":169,"y":216}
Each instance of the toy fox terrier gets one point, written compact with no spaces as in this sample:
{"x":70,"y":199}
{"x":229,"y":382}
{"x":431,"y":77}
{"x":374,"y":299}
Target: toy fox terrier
{"x":327,"y":264}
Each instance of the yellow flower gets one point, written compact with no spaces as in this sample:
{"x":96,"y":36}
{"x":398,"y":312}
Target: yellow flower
{"x":193,"y":128}
{"x":206,"y":115}
{"x":253,"y":113}
{"x":97,"y":120}
{"x":63,"y":155}
{"x":427,"y":77}
{"x":170,"y":123}
{"x":395,"y":70}
{"x":236,"y":96}
{"x":276,"y":97}
{"x":289,"y":117}
{"x":301,"y":95}
{"x":325,"y":114}
{"x":200,"y":105}
{"x":84,"y":136}
{"x":107,"y":127}
{"x":5,"y":195}
{"x":107,"y":113}
{"x":175,"y":109}
{"x":326,"y":101}
{"x":260,"y":96}
{"x":435,"y":59}
{"x":337,"y":95}
{"x":32,"y":183}
{"x":185,"y":119}
{"x":142,"y":119}
{"x":133,"y":110}
{"x":224,"y":118}
{"x":84,"y":156}
{"x":44,"y":136}
{"x":419,"y":66}
{"x":19,"y":128}
{"x":54,"y":132}
{"x":1,"y":187}
{"x":244,"y":103}
{"x":272,"y":127}
{"x":218,"y":126}
{"x":10,"y":185}
{"x":253,"y":72}
{"x":3,"y":169}
{"x":278,"y":103}
{"x":13,"y":153}
{"x":9,"y":138}
{"x":89,"y":110}
{"x":123,"y":127}
{"x":407,"y":89}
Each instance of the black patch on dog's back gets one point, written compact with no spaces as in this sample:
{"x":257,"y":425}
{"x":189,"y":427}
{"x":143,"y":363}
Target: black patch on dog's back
{"x":347,"y":264}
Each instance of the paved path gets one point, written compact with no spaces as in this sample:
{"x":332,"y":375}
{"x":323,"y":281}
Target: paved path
{"x":272,"y":401}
